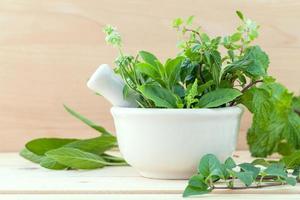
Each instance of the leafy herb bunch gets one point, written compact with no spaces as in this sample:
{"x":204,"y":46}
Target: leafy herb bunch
{"x":212,"y":72}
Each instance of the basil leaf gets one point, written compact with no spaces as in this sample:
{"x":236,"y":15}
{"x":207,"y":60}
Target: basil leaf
{"x":218,"y":97}
{"x":149,"y":58}
{"x":160,"y":96}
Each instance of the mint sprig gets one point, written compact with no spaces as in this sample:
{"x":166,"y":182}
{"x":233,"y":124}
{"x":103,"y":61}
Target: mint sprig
{"x":252,"y":175}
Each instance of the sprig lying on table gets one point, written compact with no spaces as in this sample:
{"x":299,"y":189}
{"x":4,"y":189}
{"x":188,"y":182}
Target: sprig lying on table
{"x":59,"y":153}
{"x":259,"y":173}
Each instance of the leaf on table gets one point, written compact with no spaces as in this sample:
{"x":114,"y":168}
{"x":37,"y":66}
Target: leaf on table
{"x":96,"y":145}
{"x":50,"y":163}
{"x":87,"y":121}
{"x":76,"y":159}
{"x":41,"y":145}
{"x":25,"y":153}
{"x":218,"y":97}
{"x":191,"y":190}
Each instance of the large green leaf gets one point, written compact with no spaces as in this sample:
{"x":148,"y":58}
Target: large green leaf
{"x":274,"y":120}
{"x":293,"y":160}
{"x":218,"y":97}
{"x":160,"y":96}
{"x":96,"y":145}
{"x":172,"y":68}
{"x":87,"y":121}
{"x":42,"y":145}
{"x":50,"y":163}
{"x":76,"y":159}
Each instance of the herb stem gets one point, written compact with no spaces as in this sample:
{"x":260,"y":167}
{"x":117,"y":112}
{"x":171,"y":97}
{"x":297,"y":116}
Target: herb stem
{"x":249,"y":187}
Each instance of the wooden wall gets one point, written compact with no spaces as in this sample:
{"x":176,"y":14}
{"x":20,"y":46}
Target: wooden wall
{"x":49,"y":48}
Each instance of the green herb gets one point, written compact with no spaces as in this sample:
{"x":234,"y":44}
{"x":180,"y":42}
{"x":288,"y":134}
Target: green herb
{"x":252,"y":175}
{"x":60,"y":153}
{"x":212,"y":72}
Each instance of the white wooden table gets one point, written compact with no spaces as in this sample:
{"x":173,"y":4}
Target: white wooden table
{"x":21,"y":179}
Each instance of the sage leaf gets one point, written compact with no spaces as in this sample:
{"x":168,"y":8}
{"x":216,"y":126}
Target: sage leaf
{"x":218,"y":97}
{"x":75,"y":158}
{"x":87,"y":121}
{"x":42,"y":145}
{"x":50,"y":163}
{"x":25,"y":153}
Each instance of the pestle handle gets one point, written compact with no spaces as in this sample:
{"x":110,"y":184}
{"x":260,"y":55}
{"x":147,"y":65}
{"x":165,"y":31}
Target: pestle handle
{"x":105,"y":82}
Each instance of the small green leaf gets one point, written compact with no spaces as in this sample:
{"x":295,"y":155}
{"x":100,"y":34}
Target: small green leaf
{"x":229,"y":163}
{"x":76,"y":158}
{"x":246,"y":177}
{"x":250,"y":168}
{"x":87,"y":121}
{"x":160,"y":96}
{"x":261,"y":161}
{"x":190,"y":96}
{"x":276,"y":169}
{"x":209,"y":166}
{"x":240,"y":15}
{"x":42,"y":145}
{"x":191,"y":191}
{"x":189,"y":20}
{"x":25,"y":153}
{"x":218,"y":97}
{"x":235,"y":37}
{"x":172,"y":68}
{"x":176,"y":23}
{"x":205,"y":86}
{"x":50,"y":163}
{"x":291,"y":181}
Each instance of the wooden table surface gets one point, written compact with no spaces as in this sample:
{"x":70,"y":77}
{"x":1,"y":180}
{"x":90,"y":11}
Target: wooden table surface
{"x":21,"y":179}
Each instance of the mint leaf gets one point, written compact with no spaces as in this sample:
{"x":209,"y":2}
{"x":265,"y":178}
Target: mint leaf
{"x":159,"y":95}
{"x":230,"y":163}
{"x":209,"y":166}
{"x":190,"y":191}
{"x":276,"y":169}
{"x":218,"y":97}
{"x":246,"y":177}
{"x":274,"y":120}
{"x":292,"y":161}
{"x":87,"y":121}
{"x":42,"y":145}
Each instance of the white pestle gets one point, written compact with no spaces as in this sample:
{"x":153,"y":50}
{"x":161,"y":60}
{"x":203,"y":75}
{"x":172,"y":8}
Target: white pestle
{"x":105,"y":82}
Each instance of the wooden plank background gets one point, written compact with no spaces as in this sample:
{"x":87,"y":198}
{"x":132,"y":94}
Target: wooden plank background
{"x":49,"y":48}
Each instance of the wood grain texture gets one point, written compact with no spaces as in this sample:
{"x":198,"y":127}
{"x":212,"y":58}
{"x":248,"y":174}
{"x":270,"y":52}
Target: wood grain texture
{"x":49,"y":48}
{"x":23,"y":179}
